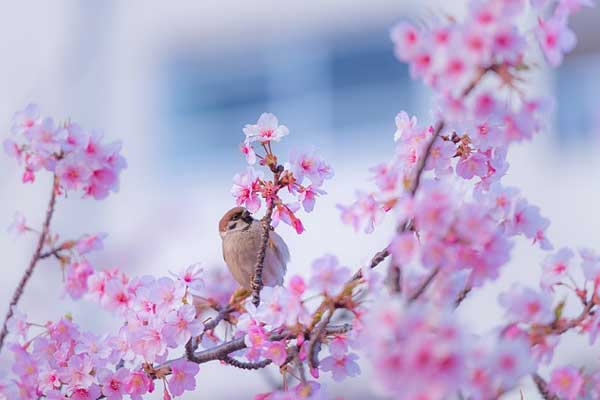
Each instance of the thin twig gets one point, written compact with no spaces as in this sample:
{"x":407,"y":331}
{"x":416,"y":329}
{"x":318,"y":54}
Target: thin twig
{"x":394,"y":277}
{"x":424,"y":285}
{"x":34,"y":259}
{"x":462,"y":295}
{"x":542,"y":387}
{"x":377,"y":259}
{"x":221,"y":315}
{"x":314,"y":345}
{"x":50,"y":253}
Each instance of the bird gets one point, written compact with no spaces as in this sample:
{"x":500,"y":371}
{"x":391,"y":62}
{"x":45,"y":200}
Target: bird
{"x":241,"y":238}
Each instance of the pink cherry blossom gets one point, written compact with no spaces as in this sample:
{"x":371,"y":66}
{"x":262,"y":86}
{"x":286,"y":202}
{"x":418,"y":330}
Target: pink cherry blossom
{"x":404,"y":126}
{"x":307,"y":197}
{"x":49,"y":380}
{"x":341,"y":366}
{"x":76,"y":277}
{"x":246,"y":190}
{"x":248,"y":151}
{"x":181,"y":325}
{"x":78,"y":372}
{"x":511,"y":361}
{"x":310,"y":165}
{"x":557,"y":268}
{"x":25,"y":119}
{"x":473,"y":165}
{"x":555,"y":38}
{"x":18,"y":225}
{"x":89,"y":393}
{"x":590,"y":264}
{"x":17,"y":324}
{"x":75,"y":138}
{"x":266,"y":129}
{"x":526,"y":220}
{"x":365,"y":210}
{"x":116,"y":296}
{"x":403,"y":247}
{"x":72,"y":172}
{"x":440,"y":157}
{"x":182,"y":377}
{"x":386,"y":177}
{"x":89,"y":243}
{"x":12,"y":149}
{"x":406,"y":40}
{"x":328,"y":276}
{"x":276,"y":351}
{"x":191,"y":277}
{"x":523,"y":304}
{"x":566,"y":382}
{"x":138,"y":384}
{"x":113,"y":383}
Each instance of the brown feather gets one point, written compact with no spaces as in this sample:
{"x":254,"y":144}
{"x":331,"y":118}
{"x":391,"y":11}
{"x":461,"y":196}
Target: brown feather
{"x":227,"y":217}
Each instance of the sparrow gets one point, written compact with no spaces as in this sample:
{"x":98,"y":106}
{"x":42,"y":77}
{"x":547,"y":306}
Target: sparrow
{"x":240,"y":234}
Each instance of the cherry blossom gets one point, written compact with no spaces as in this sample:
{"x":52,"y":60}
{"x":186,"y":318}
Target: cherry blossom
{"x":183,"y":375}
{"x":18,"y":226}
{"x":557,"y":268}
{"x":341,"y":366}
{"x":266,"y":129}
{"x":555,"y":38}
{"x":526,"y":305}
{"x":181,"y":325}
{"x":327,"y":275}
{"x":566,"y":382}
{"x":309,"y":164}
{"x":79,"y":161}
{"x":245,"y":189}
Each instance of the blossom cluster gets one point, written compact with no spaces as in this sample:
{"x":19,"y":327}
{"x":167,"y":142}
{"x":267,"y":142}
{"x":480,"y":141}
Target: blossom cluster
{"x":63,"y":361}
{"x":78,"y":158}
{"x":302,"y":177}
{"x":159,"y":316}
{"x":423,"y":352}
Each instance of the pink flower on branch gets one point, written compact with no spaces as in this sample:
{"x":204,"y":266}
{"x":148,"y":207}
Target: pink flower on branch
{"x":246,"y":188}
{"x":266,"y":129}
{"x":183,"y":376}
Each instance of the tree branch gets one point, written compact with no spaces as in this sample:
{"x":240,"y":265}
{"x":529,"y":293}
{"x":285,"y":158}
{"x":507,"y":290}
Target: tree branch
{"x":314,"y":345}
{"x":462,"y":295}
{"x":246,"y":365}
{"x":34,"y":260}
{"x":257,"y":281}
{"x":542,"y":388}
{"x":424,"y":285}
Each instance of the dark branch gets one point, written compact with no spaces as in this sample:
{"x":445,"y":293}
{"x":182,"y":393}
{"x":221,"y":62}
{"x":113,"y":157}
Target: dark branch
{"x":314,"y":345}
{"x":34,"y":260}
{"x":542,"y":388}
{"x":257,"y":280}
{"x":246,"y":365}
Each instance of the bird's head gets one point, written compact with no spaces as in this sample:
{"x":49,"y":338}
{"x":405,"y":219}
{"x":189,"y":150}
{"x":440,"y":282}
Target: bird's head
{"x":236,"y":219}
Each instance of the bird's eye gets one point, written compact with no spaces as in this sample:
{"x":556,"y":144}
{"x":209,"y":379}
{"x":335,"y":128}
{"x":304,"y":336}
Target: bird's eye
{"x":236,"y":217}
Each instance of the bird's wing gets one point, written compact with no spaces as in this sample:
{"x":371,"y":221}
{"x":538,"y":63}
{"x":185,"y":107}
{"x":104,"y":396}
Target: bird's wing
{"x":279,"y":247}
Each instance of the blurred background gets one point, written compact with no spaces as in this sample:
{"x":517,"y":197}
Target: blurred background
{"x":177,"y":81}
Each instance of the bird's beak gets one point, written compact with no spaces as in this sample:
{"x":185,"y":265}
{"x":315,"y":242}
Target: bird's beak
{"x":247,"y":217}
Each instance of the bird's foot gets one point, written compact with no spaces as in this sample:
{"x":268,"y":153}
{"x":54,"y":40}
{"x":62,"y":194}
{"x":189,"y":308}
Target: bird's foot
{"x":239,"y":296}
